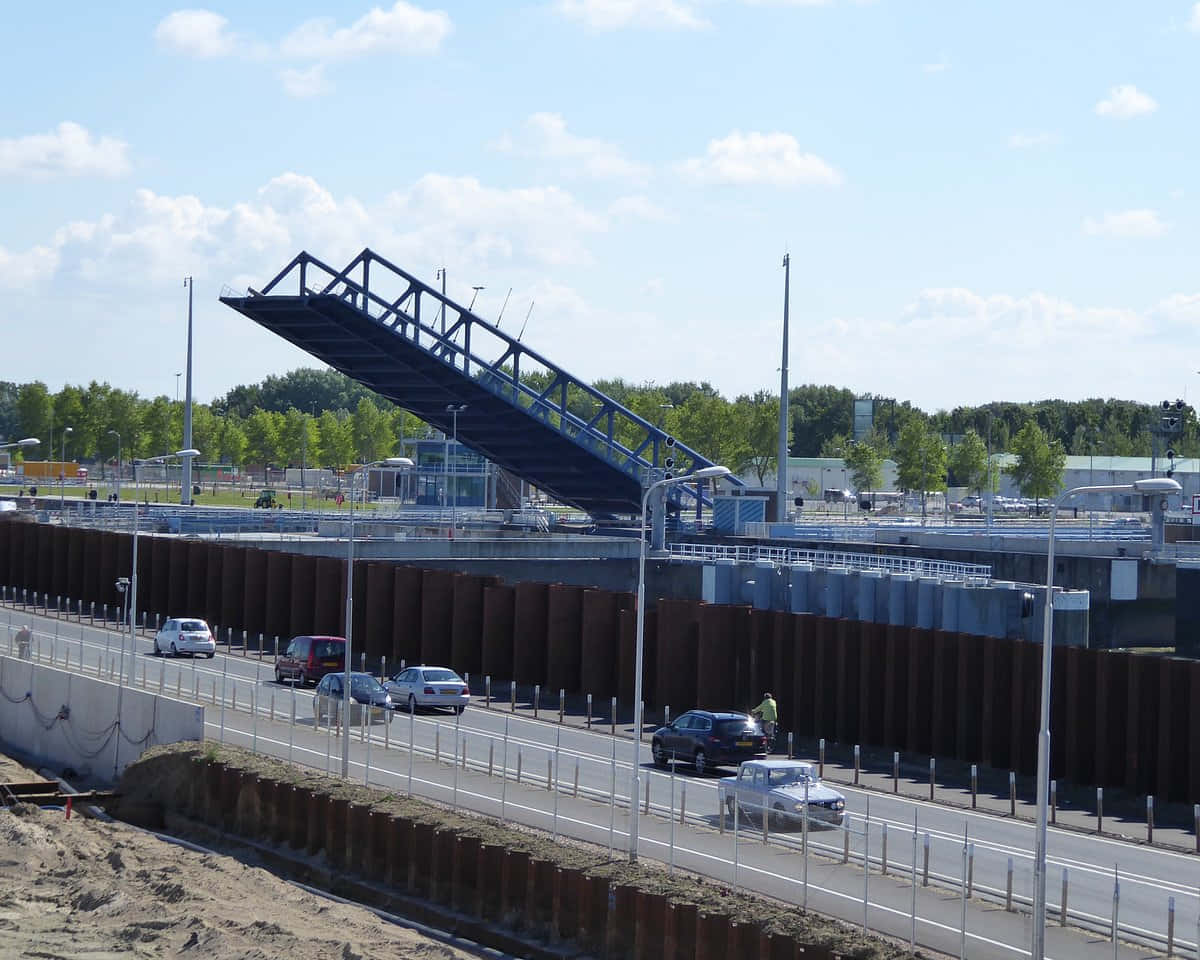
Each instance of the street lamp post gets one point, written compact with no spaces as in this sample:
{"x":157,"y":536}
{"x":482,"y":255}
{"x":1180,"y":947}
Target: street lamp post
{"x":114,"y":433}
{"x":1152,"y":485}
{"x":27,"y":442}
{"x":186,"y":478}
{"x":133,"y":577}
{"x":62,"y":471}
{"x":348,"y":665}
{"x":705,"y":473}
{"x":454,"y":409}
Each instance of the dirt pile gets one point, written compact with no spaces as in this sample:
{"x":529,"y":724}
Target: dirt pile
{"x":84,"y":888}
{"x":162,"y":778}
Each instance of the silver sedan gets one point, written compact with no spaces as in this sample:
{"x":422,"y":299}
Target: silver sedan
{"x":779,"y":788}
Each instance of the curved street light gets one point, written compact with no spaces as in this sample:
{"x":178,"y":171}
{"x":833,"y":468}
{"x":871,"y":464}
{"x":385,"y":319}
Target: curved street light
{"x":348,"y":665}
{"x":114,"y":433}
{"x":62,"y":471}
{"x":1149,"y":485}
{"x":27,"y":442}
{"x":133,"y":581}
{"x":704,"y":473}
{"x":454,"y":409}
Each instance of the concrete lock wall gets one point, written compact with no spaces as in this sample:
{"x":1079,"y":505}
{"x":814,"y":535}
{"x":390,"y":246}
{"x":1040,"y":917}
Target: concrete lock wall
{"x":914,"y":674}
{"x":877,"y":596}
{"x":87,"y":732}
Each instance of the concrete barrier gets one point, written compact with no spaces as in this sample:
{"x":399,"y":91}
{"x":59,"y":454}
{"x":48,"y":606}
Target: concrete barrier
{"x":95,"y":727}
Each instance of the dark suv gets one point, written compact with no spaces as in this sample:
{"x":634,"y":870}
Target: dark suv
{"x":706,"y":738}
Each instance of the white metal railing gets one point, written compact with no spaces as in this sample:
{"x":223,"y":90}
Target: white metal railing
{"x":853,"y":532}
{"x":924,"y":856}
{"x":790,"y":556}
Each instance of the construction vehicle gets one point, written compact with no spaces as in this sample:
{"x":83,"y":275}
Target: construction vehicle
{"x":266,"y":499}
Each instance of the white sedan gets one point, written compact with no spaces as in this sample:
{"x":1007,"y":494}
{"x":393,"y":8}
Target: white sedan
{"x":428,"y":687}
{"x":185,"y":635}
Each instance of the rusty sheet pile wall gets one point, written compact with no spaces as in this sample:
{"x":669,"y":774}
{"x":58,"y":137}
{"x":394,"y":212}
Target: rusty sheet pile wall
{"x":1119,"y":719}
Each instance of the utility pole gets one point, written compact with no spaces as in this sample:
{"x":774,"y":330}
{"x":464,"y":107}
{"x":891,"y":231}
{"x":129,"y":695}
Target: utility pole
{"x":441,"y":274}
{"x":990,"y":485}
{"x":186,"y":493}
{"x":781,"y":464}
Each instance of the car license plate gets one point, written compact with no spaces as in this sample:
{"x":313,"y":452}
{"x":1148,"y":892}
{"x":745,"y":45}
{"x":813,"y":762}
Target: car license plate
{"x":745,"y":743}
{"x":330,"y":663}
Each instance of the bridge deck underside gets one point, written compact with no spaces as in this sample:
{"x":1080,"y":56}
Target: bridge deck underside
{"x":417,"y":380}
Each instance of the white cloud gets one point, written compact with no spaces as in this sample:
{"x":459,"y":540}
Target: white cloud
{"x":952,"y":346}
{"x":402,"y":29}
{"x":68,"y":151}
{"x":126,"y":266}
{"x":1194,"y":20}
{"x":771,"y":158}
{"x":305,"y":83}
{"x":545,"y":136}
{"x":157,"y":236}
{"x":1126,"y":224}
{"x":485,"y":224}
{"x":1126,"y":101}
{"x":939,"y":67}
{"x":1025,"y":141}
{"x":196,"y":33}
{"x":618,"y":14}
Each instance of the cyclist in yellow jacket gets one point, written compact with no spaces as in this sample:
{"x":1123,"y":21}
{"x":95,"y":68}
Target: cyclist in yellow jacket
{"x":768,"y":713}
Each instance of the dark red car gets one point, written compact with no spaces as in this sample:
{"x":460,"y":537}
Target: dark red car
{"x":307,"y":659}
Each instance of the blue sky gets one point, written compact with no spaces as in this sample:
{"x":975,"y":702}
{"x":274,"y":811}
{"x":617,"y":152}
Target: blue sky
{"x":981,"y":202}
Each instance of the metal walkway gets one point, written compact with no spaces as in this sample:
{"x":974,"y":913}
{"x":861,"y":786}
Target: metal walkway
{"x":791,"y":556}
{"x":385,"y":328}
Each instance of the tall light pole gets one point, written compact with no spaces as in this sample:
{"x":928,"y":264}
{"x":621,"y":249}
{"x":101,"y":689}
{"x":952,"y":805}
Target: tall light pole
{"x":1152,"y":485}
{"x":441,"y":275}
{"x":114,"y":433}
{"x":186,"y":485}
{"x":62,"y":471}
{"x":454,"y":409}
{"x":991,"y":492}
{"x":705,"y":473}
{"x":304,"y":456}
{"x":133,"y":581}
{"x":781,"y":464}
{"x":349,"y":664}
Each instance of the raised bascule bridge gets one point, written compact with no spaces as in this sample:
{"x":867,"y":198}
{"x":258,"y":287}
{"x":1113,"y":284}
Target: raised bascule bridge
{"x":383,"y":327}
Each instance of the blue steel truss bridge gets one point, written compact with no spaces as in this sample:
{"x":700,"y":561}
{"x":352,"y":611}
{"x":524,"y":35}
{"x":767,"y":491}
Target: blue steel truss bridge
{"x":390,"y":331}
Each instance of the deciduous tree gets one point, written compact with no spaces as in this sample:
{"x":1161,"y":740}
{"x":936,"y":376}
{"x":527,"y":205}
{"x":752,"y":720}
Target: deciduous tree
{"x":1038,"y":470}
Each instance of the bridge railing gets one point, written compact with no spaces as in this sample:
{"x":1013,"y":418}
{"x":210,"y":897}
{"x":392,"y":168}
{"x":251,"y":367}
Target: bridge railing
{"x":495,"y":361}
{"x":791,"y":556}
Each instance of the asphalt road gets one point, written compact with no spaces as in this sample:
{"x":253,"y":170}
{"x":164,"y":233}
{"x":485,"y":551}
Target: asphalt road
{"x":597,"y":810}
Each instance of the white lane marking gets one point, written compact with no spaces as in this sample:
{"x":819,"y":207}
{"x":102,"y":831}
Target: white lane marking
{"x":649,"y":841}
{"x":1002,"y":847}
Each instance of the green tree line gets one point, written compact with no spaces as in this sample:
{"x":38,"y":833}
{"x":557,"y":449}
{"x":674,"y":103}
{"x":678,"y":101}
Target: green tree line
{"x":328,"y":419}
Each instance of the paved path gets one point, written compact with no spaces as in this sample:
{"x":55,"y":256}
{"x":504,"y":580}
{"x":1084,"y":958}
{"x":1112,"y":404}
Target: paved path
{"x":600,"y":764}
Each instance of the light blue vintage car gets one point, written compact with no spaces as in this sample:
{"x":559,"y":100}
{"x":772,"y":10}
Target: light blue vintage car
{"x":778,"y":787}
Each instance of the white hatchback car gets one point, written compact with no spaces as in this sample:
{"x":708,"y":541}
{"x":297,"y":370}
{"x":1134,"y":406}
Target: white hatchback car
{"x":428,"y":687}
{"x":185,"y":635}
